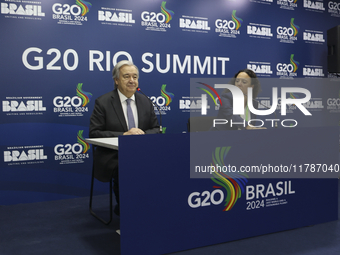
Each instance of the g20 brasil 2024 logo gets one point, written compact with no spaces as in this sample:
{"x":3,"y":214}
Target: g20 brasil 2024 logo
{"x":168,"y":96}
{"x":85,"y":6}
{"x":168,"y":13}
{"x":238,"y":21}
{"x":234,"y":184}
{"x":85,"y":96}
{"x":72,"y":105}
{"x":295,"y":27}
{"x":82,"y":141}
{"x":71,"y":153}
{"x":164,"y":100}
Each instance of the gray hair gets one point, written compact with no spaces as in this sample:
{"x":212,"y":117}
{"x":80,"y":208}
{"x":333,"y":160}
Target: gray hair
{"x":116,"y":72}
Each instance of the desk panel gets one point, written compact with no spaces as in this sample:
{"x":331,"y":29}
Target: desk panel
{"x":163,"y":210}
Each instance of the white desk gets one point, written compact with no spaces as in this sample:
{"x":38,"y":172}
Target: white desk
{"x":110,"y":142}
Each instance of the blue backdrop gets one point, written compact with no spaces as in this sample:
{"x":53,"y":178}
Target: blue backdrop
{"x":57,"y":57}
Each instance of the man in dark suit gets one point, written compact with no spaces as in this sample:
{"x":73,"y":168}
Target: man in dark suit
{"x":114,"y":115}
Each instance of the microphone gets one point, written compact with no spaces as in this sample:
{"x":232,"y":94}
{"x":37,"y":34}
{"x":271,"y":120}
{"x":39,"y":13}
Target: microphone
{"x":159,"y":110}
{"x":267,"y":108}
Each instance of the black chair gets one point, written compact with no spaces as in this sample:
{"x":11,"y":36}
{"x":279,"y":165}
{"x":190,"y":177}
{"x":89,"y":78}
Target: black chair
{"x":200,"y":123}
{"x":91,"y":196}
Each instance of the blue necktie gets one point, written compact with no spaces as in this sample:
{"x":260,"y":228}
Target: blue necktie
{"x":131,"y":119}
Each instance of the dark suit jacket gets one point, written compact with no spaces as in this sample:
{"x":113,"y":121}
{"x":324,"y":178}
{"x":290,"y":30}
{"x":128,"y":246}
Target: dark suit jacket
{"x":226,"y":112}
{"x":107,"y":120}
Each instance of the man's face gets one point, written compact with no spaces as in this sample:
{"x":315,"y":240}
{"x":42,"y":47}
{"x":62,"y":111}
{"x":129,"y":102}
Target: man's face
{"x":127,"y":82}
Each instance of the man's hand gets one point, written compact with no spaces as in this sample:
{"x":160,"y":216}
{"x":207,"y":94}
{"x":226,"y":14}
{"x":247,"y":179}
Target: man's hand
{"x":134,"y":131}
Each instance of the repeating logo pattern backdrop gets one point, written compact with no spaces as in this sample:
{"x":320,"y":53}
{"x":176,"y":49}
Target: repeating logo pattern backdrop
{"x":57,"y":57}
